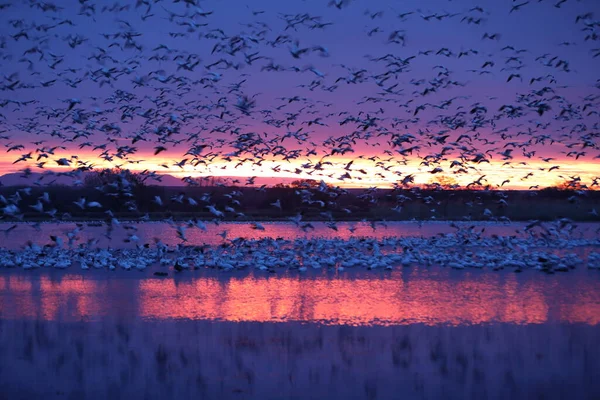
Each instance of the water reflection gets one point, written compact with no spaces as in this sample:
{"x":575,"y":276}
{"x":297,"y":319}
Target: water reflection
{"x":134,"y":359}
{"x":389,"y":301}
{"x":147,"y":231}
{"x":407,"y":296}
{"x":422,"y":333}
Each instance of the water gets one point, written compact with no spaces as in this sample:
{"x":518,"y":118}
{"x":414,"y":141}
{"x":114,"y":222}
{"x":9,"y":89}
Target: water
{"x":181,"y":359}
{"x":426,"y":333}
{"x":410,"y":333}
{"x":433,"y":296}
{"x":146,"y":232}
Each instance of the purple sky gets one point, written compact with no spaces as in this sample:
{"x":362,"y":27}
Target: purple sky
{"x":352,"y":36}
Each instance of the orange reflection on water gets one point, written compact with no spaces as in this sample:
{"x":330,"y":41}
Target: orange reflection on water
{"x":582,"y":313}
{"x":23,"y":303}
{"x":172,"y":299}
{"x":47,"y":298}
{"x":525,"y":303}
{"x":16,"y":284}
{"x":489,"y":298}
{"x":429,"y":301}
{"x":403,"y":297}
{"x":78,"y":294}
{"x":252,"y":299}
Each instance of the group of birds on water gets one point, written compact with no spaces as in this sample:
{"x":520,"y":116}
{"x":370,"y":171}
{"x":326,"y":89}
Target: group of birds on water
{"x":148,"y":93}
{"x":463,"y":250}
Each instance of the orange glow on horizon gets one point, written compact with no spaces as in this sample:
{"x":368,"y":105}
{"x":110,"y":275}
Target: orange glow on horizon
{"x":384,"y":175}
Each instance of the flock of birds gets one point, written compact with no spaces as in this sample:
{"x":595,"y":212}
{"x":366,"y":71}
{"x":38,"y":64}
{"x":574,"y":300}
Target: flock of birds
{"x":463,"y":250}
{"x":147,"y":95}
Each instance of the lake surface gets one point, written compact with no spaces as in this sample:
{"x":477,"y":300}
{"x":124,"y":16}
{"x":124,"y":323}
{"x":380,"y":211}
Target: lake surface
{"x":426,"y":333}
{"x":146,"y":232}
{"x":412,"y":333}
{"x":431,"y":296}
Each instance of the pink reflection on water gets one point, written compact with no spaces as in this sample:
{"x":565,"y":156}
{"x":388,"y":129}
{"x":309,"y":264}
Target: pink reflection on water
{"x":431,"y":297}
{"x":69,"y":297}
{"x":76,"y":296}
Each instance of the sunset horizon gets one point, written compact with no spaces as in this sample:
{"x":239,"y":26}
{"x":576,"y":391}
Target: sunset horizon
{"x":301,"y":199}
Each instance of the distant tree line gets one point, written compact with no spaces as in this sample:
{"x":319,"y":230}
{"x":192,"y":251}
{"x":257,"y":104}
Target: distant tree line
{"x":125,"y":194}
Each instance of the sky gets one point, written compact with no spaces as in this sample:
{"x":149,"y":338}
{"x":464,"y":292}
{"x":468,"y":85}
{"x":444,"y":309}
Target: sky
{"x":357,"y":93}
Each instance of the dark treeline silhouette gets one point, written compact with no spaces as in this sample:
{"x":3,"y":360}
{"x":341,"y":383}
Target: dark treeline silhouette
{"x":128,"y":195}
